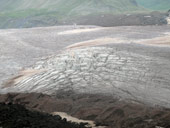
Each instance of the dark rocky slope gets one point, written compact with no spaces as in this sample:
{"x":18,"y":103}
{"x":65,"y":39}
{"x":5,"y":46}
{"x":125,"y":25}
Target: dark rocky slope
{"x":131,"y":19}
{"x":16,"y":116}
{"x":104,"y":110}
{"x":104,"y":20}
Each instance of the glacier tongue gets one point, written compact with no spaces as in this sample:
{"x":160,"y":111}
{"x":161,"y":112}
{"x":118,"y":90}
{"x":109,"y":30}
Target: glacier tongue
{"x":99,"y":70}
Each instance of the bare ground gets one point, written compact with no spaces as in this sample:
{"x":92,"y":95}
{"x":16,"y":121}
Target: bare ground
{"x":103,"y":110}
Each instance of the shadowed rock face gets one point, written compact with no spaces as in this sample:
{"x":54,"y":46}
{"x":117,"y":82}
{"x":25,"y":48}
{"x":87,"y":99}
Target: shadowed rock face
{"x":103,"y":70}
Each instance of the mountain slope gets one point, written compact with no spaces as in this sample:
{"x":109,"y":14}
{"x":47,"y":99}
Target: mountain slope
{"x":162,"y":5}
{"x":64,"y":5}
{"x":35,"y":13}
{"x":28,"y":13}
{"x":63,"y":8}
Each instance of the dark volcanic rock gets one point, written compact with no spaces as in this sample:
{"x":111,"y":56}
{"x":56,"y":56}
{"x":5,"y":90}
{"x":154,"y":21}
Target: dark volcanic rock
{"x":16,"y":116}
{"x":104,"y":110}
